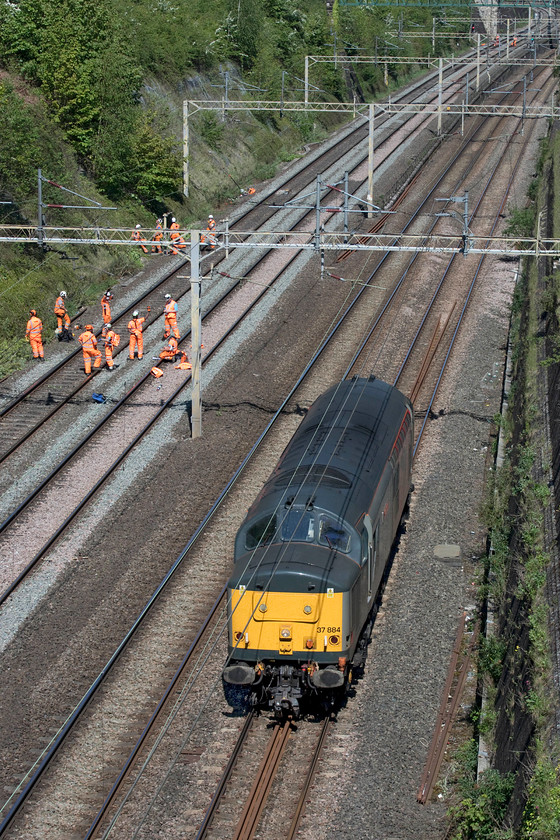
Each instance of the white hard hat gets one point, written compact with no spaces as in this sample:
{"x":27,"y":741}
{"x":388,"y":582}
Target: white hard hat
{"x":210,"y":216}
{"x":63,"y":294}
{"x":167,"y":296}
{"x":137,"y":227}
{"x":135,"y":314}
{"x":172,"y":218}
{"x":109,"y":326}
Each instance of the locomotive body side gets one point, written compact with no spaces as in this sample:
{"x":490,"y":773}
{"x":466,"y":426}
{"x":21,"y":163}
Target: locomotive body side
{"x":311,"y":553}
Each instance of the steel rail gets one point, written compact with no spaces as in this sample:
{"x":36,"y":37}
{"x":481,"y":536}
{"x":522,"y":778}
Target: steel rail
{"x":199,"y":530}
{"x":124,"y":313}
{"x":464,"y":308}
{"x":82,"y":443}
{"x":155,"y":715}
{"x":451,"y":261}
{"x":262,"y":783}
{"x":399,"y":284}
{"x":89,"y":495}
{"x":226,"y":775}
{"x":59,"y":739}
{"x":300,"y":808}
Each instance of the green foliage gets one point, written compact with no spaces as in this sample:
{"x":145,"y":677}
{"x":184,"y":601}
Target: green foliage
{"x":541,"y":820}
{"x":480,"y":812}
{"x":521,"y":222}
{"x":490,"y":656}
{"x":211,"y":129}
{"x":20,"y":142}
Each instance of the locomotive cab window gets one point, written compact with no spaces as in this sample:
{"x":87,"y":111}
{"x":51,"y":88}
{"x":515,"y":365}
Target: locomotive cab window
{"x":333,"y":534}
{"x":260,"y":532}
{"x":298,"y":525}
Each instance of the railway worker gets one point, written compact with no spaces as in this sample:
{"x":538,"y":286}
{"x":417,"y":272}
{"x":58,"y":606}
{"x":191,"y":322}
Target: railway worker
{"x":170,"y":312}
{"x":158,"y":236}
{"x":177,"y":241}
{"x":171,"y":351}
{"x":105,"y":306}
{"x":33,"y":335}
{"x":136,"y":338}
{"x":63,"y":318}
{"x":137,"y":237}
{"x":210,"y":227}
{"x":89,"y":348}
{"x":112,"y":340}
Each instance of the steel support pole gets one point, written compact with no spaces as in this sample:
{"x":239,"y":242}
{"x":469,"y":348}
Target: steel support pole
{"x":318,"y":212}
{"x":306,"y":84}
{"x":186,"y":148}
{"x":440,"y":95}
{"x":370,"y":159}
{"x":40,"y":220}
{"x":346,"y":204}
{"x":478,"y":61}
{"x":507,"y":40}
{"x":196,"y":420}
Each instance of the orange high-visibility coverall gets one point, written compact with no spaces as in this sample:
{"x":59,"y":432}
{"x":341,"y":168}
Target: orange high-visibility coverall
{"x":111,"y":340}
{"x":106,"y":309}
{"x":177,"y":240}
{"x":170,"y":313}
{"x":61,"y":313}
{"x":137,"y":236}
{"x":158,"y":236}
{"x":136,"y":338}
{"x":170,"y":350}
{"x":33,"y":332}
{"x":210,"y":227}
{"x":89,"y":346}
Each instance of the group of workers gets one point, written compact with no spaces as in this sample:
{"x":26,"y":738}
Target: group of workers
{"x":110,"y":339}
{"x":176,"y":242}
{"x":87,"y":339}
{"x":34,"y":328}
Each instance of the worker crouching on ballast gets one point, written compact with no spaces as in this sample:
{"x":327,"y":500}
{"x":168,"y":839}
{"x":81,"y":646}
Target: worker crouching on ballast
{"x":171,"y":351}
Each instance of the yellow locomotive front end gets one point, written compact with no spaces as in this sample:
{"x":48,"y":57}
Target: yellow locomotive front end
{"x":287,"y":624}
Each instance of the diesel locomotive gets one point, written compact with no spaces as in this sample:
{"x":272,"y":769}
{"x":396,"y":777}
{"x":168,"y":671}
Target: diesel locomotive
{"x":310,"y":555}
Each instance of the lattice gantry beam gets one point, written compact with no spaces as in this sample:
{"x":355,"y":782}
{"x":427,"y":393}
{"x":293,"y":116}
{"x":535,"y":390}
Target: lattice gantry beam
{"x":472,"y":4}
{"x":428,"y":61}
{"x":527,"y":112}
{"x":325,"y":241}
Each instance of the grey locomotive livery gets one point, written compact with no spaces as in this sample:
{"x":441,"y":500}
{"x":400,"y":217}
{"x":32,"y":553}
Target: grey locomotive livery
{"x":311,"y":553}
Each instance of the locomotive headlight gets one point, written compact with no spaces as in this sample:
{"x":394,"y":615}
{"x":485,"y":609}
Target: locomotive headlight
{"x":238,"y":637}
{"x":334,"y":640}
{"x":263,"y":607}
{"x":285,"y":632}
{"x":307,"y":609}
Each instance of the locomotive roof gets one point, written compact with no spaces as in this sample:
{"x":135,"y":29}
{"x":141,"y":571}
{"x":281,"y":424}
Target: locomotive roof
{"x":336,"y":458}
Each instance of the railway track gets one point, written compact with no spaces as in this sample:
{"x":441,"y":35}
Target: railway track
{"x":125,"y":413}
{"x":37,"y":404}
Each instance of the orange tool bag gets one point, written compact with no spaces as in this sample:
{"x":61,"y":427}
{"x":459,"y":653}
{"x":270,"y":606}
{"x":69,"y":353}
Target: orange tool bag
{"x":155,"y":371}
